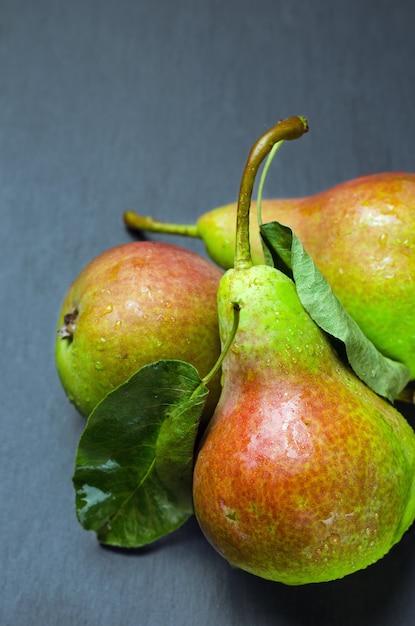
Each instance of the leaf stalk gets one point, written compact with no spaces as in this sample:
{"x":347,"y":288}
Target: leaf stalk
{"x":229,"y":341}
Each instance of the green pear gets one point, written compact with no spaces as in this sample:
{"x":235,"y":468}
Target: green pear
{"x":304,"y":474}
{"x":360,"y":234}
{"x":134,"y":304}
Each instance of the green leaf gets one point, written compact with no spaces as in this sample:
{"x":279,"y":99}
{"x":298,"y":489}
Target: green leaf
{"x":385,"y":376}
{"x":276,"y":243}
{"x":134,"y":463}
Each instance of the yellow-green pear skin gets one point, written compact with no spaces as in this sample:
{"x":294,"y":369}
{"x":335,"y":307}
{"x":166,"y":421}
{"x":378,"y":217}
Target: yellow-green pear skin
{"x":361,"y":235}
{"x":304,"y":474}
{"x":134,"y":304}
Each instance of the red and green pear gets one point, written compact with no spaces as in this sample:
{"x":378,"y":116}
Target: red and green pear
{"x":304,"y":474}
{"x":132,"y":305}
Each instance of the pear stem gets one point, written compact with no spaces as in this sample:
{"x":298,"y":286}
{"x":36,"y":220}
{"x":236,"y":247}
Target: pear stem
{"x":149,"y":224}
{"x":284,"y":130}
{"x":231,"y":337}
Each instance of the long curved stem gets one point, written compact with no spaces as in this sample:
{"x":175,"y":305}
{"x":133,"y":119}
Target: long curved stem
{"x":284,"y":130}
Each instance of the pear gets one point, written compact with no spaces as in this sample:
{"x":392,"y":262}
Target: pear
{"x":304,"y":474}
{"x":361,"y":236}
{"x":134,"y":304}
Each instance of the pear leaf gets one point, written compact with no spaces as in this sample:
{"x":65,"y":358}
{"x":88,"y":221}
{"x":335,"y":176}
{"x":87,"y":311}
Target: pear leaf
{"x":134,"y":462}
{"x":383,"y":375}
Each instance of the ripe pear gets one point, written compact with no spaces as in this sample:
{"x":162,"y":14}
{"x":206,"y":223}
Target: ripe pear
{"x":134,"y":304}
{"x":360,"y":234}
{"x":304,"y":474}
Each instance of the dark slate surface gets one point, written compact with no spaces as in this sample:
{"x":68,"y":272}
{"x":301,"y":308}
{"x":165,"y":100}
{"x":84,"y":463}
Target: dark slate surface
{"x":150,"y":105}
